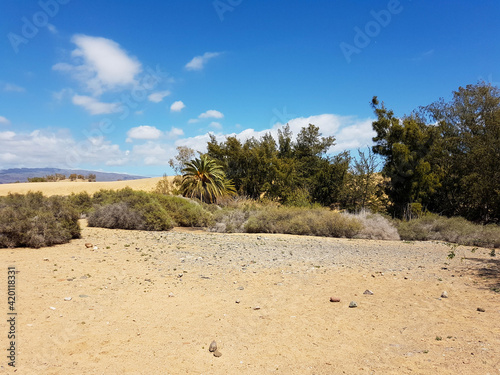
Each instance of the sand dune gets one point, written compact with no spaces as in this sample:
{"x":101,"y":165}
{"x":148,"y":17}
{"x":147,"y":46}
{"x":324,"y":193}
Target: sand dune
{"x":68,"y":187}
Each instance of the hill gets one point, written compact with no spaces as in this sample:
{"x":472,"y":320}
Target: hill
{"x":22,"y":174}
{"x":68,"y":187}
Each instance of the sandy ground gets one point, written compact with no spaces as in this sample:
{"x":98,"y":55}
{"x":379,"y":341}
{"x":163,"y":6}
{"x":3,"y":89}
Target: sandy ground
{"x":152,"y":302}
{"x":68,"y":187}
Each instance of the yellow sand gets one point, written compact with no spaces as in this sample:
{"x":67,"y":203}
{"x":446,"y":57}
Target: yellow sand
{"x":68,"y":187}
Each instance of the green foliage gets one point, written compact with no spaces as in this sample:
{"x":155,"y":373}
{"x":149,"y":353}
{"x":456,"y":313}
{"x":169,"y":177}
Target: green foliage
{"x":363,"y":188}
{"x":34,"y":220}
{"x":405,"y":144}
{"x":456,"y":230}
{"x":82,"y":202}
{"x":206,"y":180}
{"x":131,"y":209}
{"x":119,"y":209}
{"x":294,"y":173}
{"x":467,"y":153}
{"x":164,"y":186}
{"x":185,"y":212}
{"x":313,"y":222}
{"x":37,"y":179}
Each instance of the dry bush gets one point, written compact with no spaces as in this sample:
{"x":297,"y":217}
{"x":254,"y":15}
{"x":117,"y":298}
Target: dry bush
{"x":230,"y":221}
{"x":33,"y":220}
{"x":455,"y":229}
{"x":375,"y":226}
{"x":148,"y":216}
{"x":116,"y":216}
{"x":186,"y":212}
{"x":302,"y":221}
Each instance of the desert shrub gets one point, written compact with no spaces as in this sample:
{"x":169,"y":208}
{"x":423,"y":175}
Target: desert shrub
{"x":82,"y":202}
{"x":116,"y":215}
{"x":34,"y":220}
{"x":230,"y":221}
{"x":127,"y":215}
{"x":186,"y":212}
{"x":455,"y":229}
{"x":313,"y":222}
{"x":375,"y":226}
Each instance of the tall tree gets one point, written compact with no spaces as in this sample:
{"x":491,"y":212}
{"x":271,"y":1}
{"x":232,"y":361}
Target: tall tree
{"x":468,"y":152}
{"x":405,"y":145}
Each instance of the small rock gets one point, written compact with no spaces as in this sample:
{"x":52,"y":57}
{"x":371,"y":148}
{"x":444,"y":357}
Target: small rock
{"x":369,"y":292}
{"x":95,"y":248}
{"x":480,"y":309}
{"x":240,"y":288}
{"x":67,"y":299}
{"x":212,"y":347}
{"x":217,"y":353}
{"x":180,"y":275}
{"x":256,"y":308}
{"x":237,"y":301}
{"x":88,"y":245}
{"x":353,"y":304}
{"x":444,"y":294}
{"x":46,"y":259}
{"x":52,"y":308}
{"x":83,"y":296}
{"x":171,"y":294}
{"x":334,"y":299}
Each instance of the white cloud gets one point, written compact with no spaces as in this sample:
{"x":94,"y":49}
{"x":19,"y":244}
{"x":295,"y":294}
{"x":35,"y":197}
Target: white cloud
{"x":4,"y":121}
{"x":42,"y":148}
{"x":175,"y":132}
{"x":94,"y":107}
{"x":349,"y":131}
{"x":139,"y":112}
{"x":216,"y":125}
{"x":10,"y":87}
{"x":100,"y":64}
{"x":193,"y":121}
{"x":211,"y":113}
{"x":157,"y":97}
{"x":52,"y":28}
{"x":6,"y":136}
{"x":143,"y":132}
{"x":177,"y":106}
{"x":152,"y":153}
{"x":198,"y":62}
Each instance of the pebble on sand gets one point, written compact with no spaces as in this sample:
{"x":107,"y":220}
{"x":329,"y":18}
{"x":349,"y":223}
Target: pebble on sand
{"x":353,"y":304}
{"x":213,"y":346}
{"x":480,"y":309}
{"x":67,"y":299}
{"x":217,"y":353}
{"x":334,"y":299}
{"x":369,"y":292}
{"x":88,"y":245}
{"x":444,"y":294}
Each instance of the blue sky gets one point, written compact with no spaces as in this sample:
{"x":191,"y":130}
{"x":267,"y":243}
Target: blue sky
{"x":118,"y":85}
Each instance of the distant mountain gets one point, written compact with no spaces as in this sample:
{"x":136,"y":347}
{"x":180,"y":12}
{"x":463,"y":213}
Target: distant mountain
{"x":22,"y":174}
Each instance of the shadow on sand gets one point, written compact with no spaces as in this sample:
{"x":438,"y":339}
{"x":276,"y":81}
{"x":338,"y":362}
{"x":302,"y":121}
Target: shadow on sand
{"x":489,"y":270}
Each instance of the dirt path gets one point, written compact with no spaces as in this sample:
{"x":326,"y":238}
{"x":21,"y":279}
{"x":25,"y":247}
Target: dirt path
{"x":151,"y":303}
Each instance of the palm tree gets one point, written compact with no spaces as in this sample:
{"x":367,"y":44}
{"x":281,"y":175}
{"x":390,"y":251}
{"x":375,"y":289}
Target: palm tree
{"x":203,"y":178}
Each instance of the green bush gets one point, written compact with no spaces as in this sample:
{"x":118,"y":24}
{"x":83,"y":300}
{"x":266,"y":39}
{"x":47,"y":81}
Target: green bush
{"x":33,"y":220}
{"x":455,"y":229}
{"x":313,"y":222}
{"x":186,"y":212}
{"x":82,"y":202}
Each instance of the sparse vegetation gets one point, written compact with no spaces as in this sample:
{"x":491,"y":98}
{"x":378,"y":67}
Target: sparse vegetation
{"x":456,"y":230}
{"x":33,"y":220}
